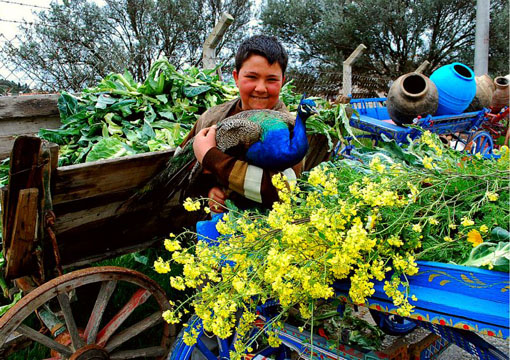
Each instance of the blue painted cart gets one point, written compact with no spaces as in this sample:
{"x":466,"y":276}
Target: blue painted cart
{"x":465,"y":128}
{"x":455,"y":302}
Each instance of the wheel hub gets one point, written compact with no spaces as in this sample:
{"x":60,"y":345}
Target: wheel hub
{"x":90,"y":352}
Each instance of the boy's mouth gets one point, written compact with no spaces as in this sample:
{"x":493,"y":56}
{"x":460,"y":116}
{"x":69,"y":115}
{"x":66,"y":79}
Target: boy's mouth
{"x":259,"y":97}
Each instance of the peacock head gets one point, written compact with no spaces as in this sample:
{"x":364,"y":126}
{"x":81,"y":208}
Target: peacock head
{"x":306,"y":108}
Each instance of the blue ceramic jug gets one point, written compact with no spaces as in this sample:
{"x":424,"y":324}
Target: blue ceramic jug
{"x":456,"y":87}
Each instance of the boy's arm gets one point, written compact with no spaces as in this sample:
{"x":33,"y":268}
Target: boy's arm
{"x":247,"y":180}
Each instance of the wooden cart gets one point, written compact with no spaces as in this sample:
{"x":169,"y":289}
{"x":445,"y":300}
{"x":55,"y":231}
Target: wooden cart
{"x":58,"y":218}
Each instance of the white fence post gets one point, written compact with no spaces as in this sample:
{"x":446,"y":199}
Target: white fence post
{"x":209,"y":47}
{"x":347,"y":70}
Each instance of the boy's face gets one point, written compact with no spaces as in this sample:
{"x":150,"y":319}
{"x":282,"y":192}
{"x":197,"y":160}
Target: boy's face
{"x":259,"y":83}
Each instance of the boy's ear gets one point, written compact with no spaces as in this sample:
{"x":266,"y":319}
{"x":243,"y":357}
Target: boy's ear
{"x":235,"y":75}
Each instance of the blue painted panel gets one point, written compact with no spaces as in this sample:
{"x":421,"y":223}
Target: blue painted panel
{"x":452,"y":295}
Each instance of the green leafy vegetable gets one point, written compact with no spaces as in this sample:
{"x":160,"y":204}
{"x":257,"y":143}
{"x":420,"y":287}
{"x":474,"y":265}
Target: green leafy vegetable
{"x":120,"y":117}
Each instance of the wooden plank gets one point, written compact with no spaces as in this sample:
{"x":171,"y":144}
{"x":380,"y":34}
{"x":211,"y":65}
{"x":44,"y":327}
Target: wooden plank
{"x":20,"y":253}
{"x":133,"y":330}
{"x":12,"y":128}
{"x":82,"y":181}
{"x":28,"y":106}
{"x":130,"y":232}
{"x":68,"y":221}
{"x":24,"y":173}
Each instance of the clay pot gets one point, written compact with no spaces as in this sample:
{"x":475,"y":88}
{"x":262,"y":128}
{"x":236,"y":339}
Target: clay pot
{"x":484,"y":91}
{"x":456,"y":87}
{"x":411,"y":95}
{"x":500,"y":98}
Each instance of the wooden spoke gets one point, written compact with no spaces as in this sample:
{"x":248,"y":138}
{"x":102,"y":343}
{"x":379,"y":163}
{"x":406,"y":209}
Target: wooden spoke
{"x":96,"y":315}
{"x":134,"y":330}
{"x":138,"y":298}
{"x":44,"y":340}
{"x":133,"y":354}
{"x":76,"y":340}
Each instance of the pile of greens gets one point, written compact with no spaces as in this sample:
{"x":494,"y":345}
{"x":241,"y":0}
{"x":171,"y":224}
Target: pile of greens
{"x":121,"y":117}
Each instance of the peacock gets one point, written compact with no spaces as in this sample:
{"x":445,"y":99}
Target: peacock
{"x":270,"y":139}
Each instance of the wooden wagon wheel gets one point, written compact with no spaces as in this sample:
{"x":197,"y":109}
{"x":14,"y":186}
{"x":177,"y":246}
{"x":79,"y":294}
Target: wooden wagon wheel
{"x":98,"y":339}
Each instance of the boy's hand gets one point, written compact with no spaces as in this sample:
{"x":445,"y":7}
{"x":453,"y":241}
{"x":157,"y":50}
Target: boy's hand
{"x":204,"y":141}
{"x":217,"y":200}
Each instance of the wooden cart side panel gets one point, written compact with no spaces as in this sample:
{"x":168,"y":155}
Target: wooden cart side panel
{"x":25,"y":115}
{"x":89,"y":180}
{"x":85,"y":201}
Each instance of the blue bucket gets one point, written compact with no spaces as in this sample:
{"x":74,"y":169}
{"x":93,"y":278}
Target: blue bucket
{"x":456,"y":87}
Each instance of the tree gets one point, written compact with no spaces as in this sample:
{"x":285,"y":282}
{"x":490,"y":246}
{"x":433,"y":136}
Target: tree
{"x":399,"y":34}
{"x":10,"y":87}
{"x":74,"y":44}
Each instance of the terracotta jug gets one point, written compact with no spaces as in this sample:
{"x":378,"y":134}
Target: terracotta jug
{"x":500,"y":98}
{"x":484,"y":91}
{"x":411,"y":95}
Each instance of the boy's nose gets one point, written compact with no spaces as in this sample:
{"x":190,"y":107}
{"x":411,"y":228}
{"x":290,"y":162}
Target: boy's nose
{"x":261,"y":87}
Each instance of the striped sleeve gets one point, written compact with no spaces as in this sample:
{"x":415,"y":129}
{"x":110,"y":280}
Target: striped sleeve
{"x":252,"y":182}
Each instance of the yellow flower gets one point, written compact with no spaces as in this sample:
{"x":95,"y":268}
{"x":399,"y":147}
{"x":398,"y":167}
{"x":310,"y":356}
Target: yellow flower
{"x":427,"y":163}
{"x":376,"y":165}
{"x":492,"y":196}
{"x":191,"y":205}
{"x":474,"y":237}
{"x":484,"y":228}
{"x":161,"y":266}
{"x":177,"y":282}
{"x":417,"y":228}
{"x":467,"y":221}
{"x":452,"y":226}
{"x":447,"y":239}
{"x":433,"y":221}
{"x":172,"y":245}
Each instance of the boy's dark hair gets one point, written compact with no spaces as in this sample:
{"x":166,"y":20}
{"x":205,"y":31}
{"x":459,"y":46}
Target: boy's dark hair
{"x":263,"y":45}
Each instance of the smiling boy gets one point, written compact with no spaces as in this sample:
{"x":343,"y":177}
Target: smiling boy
{"x":260,"y":66}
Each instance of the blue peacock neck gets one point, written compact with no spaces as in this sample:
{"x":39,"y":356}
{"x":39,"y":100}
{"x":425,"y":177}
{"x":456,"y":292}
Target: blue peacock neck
{"x":298,"y":140}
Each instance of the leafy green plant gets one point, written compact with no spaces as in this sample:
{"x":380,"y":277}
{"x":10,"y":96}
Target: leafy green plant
{"x":121,"y":117}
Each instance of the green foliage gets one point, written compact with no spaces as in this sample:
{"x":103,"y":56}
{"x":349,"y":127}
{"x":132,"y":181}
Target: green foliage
{"x":359,"y":331}
{"x":10,"y":87}
{"x":4,"y":172}
{"x":120,"y":117}
{"x":332,"y":120}
{"x":399,"y":35}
